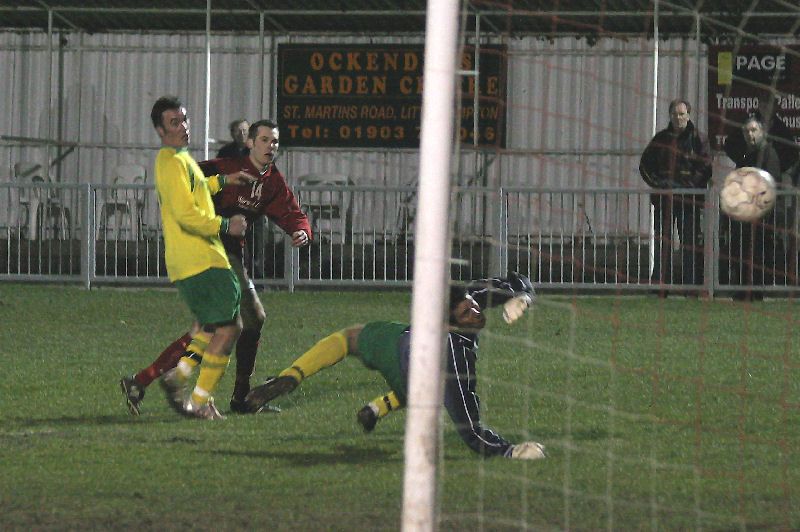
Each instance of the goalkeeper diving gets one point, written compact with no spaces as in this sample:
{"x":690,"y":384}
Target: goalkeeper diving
{"x":385,"y":346}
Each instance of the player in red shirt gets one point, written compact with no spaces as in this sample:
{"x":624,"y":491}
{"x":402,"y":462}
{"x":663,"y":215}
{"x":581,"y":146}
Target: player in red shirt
{"x":268,"y":196}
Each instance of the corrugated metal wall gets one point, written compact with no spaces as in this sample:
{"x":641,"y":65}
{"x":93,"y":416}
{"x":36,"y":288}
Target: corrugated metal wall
{"x":579,"y":114}
{"x":582,"y":114}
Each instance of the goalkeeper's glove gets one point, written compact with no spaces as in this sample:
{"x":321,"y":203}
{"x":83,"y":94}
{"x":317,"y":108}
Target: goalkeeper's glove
{"x":520,"y":283}
{"x":514,"y":308}
{"x":529,"y":450}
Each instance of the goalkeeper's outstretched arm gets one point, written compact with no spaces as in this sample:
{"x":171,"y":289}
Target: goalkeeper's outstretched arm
{"x":494,"y":292}
{"x":463,"y":406}
{"x":461,"y":401}
{"x":515,"y":293}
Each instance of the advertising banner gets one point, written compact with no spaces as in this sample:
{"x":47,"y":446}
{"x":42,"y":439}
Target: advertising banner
{"x":739,"y":76}
{"x":371,"y":95}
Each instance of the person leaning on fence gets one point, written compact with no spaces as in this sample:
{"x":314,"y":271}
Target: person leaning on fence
{"x":751,"y":251}
{"x":678,"y":157}
{"x":196,"y":260}
{"x":237,"y":147}
{"x":268,"y":196}
{"x":385,"y":347}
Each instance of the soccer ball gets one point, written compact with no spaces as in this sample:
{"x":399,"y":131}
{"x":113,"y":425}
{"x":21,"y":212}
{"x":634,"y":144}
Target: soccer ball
{"x":747,"y":194}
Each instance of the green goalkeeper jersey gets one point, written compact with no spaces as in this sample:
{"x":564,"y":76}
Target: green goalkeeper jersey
{"x":190,"y":223}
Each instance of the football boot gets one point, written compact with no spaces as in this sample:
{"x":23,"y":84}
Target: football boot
{"x":133,"y":394}
{"x":273,"y":387}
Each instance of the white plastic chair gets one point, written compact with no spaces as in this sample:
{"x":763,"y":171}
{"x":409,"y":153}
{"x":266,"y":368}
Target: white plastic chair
{"x":328,"y":211}
{"x":121,"y":210}
{"x":39,"y":207}
{"x":9,"y":208}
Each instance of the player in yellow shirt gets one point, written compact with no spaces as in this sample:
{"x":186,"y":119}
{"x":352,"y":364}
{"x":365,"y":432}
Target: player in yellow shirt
{"x":196,"y":260}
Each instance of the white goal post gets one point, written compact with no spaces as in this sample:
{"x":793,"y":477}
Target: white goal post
{"x":430,"y":266}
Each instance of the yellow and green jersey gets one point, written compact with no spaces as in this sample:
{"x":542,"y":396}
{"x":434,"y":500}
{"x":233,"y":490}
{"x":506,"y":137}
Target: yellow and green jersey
{"x":189,"y":222}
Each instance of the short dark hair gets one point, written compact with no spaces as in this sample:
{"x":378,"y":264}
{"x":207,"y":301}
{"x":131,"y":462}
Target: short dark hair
{"x":674,"y":103}
{"x":162,"y":104}
{"x":458,"y":293}
{"x":233,"y":124}
{"x":253,"y":131}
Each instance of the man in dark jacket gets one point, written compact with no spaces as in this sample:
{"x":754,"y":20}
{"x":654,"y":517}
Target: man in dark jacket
{"x":777,"y":134}
{"x":678,"y":157}
{"x":237,"y":147}
{"x":385,"y":346}
{"x":751,"y":254}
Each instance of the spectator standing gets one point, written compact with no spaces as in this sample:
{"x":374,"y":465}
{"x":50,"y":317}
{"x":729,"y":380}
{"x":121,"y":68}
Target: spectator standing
{"x":751,"y":252}
{"x":782,"y":140}
{"x":239,"y":129}
{"x":777,"y":134}
{"x":678,"y":157}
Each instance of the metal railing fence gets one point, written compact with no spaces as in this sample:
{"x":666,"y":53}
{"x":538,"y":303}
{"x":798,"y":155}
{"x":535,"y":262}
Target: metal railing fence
{"x":604,"y":239}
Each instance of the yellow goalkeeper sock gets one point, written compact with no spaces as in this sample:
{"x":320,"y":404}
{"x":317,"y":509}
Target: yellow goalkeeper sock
{"x":385,"y":404}
{"x":326,"y":352}
{"x":211,"y":371}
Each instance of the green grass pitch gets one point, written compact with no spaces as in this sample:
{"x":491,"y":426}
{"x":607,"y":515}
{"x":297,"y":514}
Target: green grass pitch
{"x":669,"y":414}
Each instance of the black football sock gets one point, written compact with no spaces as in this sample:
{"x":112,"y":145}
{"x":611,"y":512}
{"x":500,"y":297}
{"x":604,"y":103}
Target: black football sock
{"x":246,"y":349}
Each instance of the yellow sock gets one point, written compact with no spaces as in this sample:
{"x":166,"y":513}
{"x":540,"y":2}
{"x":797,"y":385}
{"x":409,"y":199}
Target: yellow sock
{"x":326,"y":352}
{"x":193,"y":355}
{"x":385,"y":404}
{"x":197,"y":347}
{"x":186,"y":367}
{"x":211,"y":371}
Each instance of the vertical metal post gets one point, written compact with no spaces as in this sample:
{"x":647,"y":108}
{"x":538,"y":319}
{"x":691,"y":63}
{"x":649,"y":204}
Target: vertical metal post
{"x":476,"y":101}
{"x":655,"y":65}
{"x":80,"y":97}
{"x":261,"y":65}
{"x":88,"y":255}
{"x":291,"y":264}
{"x":697,"y":58}
{"x":651,"y":239}
{"x":59,"y":133}
{"x":711,"y":242}
{"x":207,"y":135}
{"x":503,"y":229}
{"x":49,"y":135}
{"x":711,"y":203}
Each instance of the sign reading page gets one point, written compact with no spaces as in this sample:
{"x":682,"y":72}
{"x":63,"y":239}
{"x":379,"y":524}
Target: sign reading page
{"x":738,"y":76}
